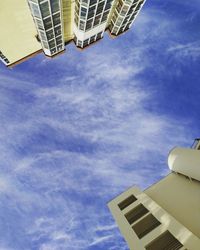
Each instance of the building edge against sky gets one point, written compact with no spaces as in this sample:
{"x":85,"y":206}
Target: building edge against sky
{"x":29,"y":27}
{"x":166,"y":215}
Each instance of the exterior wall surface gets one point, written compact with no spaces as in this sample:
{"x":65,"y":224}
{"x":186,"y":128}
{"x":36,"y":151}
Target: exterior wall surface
{"x":18,"y":32}
{"x":168,"y":222}
{"x":68,"y":19}
{"x":180,"y":197}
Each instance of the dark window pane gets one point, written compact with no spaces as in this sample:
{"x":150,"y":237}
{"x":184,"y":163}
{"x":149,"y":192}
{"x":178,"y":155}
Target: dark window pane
{"x":92,"y":39}
{"x":47,"y":23}
{"x":59,"y":40}
{"x":165,"y":242}
{"x":125,"y":203}
{"x":85,"y":43}
{"x":146,"y":225}
{"x":89,"y":24}
{"x":99,"y":36}
{"x":93,"y":2}
{"x":52,"y":44}
{"x":45,"y":9}
{"x":53,"y":51}
{"x":54,"y":5}
{"x":56,"y":19}
{"x":50,"y":34}
{"x":136,"y":213}
{"x":57,"y":30}
{"x":60,"y":47}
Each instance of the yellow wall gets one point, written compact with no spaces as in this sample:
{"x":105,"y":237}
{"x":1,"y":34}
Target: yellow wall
{"x":18,"y":30}
{"x":68,"y":6}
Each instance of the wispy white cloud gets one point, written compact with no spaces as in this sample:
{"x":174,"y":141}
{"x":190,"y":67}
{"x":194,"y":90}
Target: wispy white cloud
{"x":186,"y":50}
{"x":68,"y":148}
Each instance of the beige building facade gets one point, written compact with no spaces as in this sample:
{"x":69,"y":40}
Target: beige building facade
{"x":166,"y":216}
{"x":29,"y":27}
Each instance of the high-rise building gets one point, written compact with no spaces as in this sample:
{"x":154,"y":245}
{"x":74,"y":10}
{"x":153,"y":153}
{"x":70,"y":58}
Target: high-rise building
{"x":166,"y":216}
{"x":29,"y":27}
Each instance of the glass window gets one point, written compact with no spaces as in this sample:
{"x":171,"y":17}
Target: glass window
{"x":42,"y":36}
{"x":83,"y":13}
{"x":100,"y":8}
{"x":99,"y":35}
{"x":47,"y":23}
{"x":128,"y":201}
{"x":35,"y":10}
{"x":6,"y":60}
{"x":79,"y":43}
{"x":124,"y":10}
{"x":165,"y":241}
{"x":44,"y":7}
{"x":90,"y":15}
{"x":105,"y":16}
{"x":55,"y":6}
{"x":50,"y":34}
{"x":45,"y":44}
{"x":59,"y":40}
{"x":52,"y":43}
{"x":97,"y":20}
{"x":58,"y":30}
{"x":108,"y":6}
{"x":85,"y":1}
{"x":100,"y":5}
{"x":89,"y":24}
{"x":85,"y":43}
{"x":136,"y":213}
{"x":92,"y":39}
{"x":82,"y":25}
{"x":92,"y":8}
{"x":91,"y":11}
{"x":93,"y":2}
{"x":53,"y":51}
{"x":56,"y":19}
{"x":39,"y":23}
{"x":60,"y":47}
{"x":145,"y":226}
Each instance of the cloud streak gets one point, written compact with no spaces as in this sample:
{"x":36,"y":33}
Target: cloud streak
{"x":72,"y":141}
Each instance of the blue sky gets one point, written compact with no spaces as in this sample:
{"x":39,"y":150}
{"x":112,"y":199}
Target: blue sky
{"x":80,"y":129}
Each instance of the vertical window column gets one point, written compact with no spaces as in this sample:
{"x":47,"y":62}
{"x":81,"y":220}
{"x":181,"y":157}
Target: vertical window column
{"x":124,"y":15}
{"x":47,"y":15}
{"x":3,"y":58}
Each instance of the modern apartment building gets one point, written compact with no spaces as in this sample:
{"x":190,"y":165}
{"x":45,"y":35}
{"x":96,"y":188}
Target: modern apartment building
{"x":29,"y":27}
{"x":166,"y":216}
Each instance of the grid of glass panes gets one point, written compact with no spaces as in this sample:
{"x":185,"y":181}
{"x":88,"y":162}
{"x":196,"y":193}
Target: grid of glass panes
{"x":91,"y":13}
{"x":3,"y":58}
{"x":88,"y":41}
{"x":124,"y":15}
{"x":47,"y":17}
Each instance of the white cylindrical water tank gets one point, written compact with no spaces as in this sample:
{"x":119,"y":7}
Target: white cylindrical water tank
{"x":185,"y":161}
